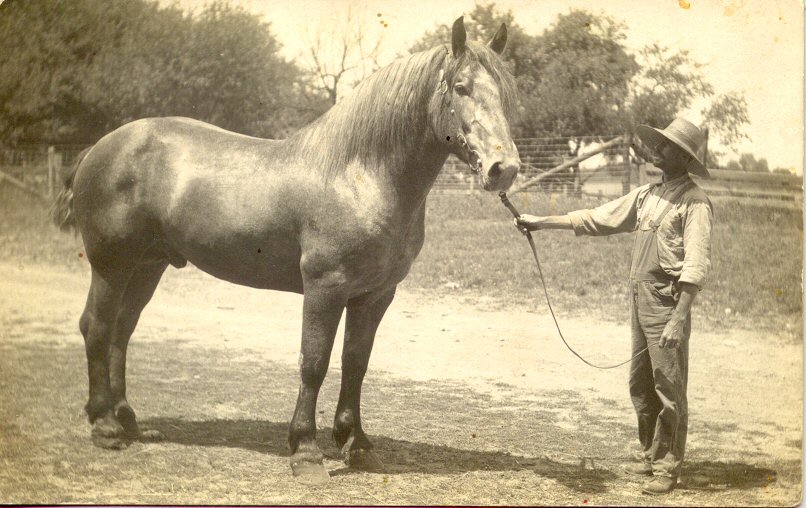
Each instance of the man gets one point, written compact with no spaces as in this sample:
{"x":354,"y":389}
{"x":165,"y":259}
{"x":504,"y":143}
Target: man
{"x":670,"y":263}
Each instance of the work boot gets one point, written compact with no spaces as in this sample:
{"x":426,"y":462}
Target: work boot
{"x":660,"y":485}
{"x":638,"y":468}
{"x":639,"y":456}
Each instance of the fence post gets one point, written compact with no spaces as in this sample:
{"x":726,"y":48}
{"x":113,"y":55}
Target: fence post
{"x":628,"y":167}
{"x":58,"y":161}
{"x":51,"y":169}
{"x":705,"y":148}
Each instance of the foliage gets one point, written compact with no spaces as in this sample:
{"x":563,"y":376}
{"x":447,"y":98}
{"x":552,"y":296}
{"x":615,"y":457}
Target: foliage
{"x":572,"y":79}
{"x":79,"y":69}
{"x":727,"y":114}
{"x":582,"y":74}
{"x":578,"y":78}
{"x":667,"y":84}
{"x":748,"y":162}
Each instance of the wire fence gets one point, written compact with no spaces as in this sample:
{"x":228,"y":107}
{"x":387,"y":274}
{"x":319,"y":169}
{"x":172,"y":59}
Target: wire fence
{"x":38,"y":169}
{"x":608,"y":173}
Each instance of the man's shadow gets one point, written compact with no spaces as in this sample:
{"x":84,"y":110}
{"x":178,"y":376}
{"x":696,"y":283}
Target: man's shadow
{"x":715,"y":476}
{"x":400,"y":456}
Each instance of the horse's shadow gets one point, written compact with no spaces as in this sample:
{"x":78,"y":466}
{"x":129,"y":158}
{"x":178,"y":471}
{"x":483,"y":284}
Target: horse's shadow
{"x":400,"y":456}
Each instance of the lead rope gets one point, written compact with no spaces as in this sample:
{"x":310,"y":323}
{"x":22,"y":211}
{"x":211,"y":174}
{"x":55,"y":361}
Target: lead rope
{"x":528,"y":234}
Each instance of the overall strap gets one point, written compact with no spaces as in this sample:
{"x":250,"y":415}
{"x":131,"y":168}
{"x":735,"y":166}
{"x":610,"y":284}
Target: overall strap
{"x":671,"y":202}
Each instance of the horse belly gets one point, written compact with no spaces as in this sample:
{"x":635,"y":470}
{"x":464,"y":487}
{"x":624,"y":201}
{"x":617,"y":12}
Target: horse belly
{"x":258,"y":271}
{"x":250,"y":245}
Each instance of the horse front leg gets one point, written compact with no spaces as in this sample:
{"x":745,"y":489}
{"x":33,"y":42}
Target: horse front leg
{"x":363,"y":317}
{"x":321,"y":312}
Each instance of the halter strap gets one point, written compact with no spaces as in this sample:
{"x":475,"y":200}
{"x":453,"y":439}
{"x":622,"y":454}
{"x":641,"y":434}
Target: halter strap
{"x":442,"y":89}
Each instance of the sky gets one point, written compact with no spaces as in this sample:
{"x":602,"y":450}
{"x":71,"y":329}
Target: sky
{"x":750,"y":46}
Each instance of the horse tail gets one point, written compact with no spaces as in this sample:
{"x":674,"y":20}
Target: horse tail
{"x":62,"y":210}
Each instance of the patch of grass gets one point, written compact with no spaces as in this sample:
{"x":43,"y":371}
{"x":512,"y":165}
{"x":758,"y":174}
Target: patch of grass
{"x":473,"y":249}
{"x":27,"y":234}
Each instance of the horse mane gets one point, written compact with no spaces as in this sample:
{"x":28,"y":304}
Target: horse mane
{"x":384,"y":120}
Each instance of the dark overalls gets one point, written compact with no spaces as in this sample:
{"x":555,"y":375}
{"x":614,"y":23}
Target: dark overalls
{"x":659,"y":376}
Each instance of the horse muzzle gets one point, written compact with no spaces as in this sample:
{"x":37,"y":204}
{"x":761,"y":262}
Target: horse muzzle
{"x":499,"y":173}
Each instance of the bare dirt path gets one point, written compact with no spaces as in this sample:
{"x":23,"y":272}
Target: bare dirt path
{"x":745,"y":388}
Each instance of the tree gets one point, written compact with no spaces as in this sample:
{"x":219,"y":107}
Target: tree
{"x":81,"y":68}
{"x":727,"y":115}
{"x":748,"y":162}
{"x":578,"y":78}
{"x":572,"y":79}
{"x":670,"y":82}
{"x":340,"y":55}
{"x":47,"y":49}
{"x":583,"y":71}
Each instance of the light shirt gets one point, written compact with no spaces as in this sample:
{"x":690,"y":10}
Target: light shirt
{"x":684,"y":235}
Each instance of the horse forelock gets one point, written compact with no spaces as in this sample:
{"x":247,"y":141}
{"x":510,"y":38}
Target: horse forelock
{"x":385,"y":118}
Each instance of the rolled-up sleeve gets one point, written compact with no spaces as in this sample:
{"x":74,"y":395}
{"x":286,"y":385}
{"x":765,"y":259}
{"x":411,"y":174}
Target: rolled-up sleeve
{"x":697,"y":243}
{"x":617,"y":216}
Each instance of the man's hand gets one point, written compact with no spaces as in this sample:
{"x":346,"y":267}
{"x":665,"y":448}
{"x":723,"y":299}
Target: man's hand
{"x":673,"y":333}
{"x":527,"y":222}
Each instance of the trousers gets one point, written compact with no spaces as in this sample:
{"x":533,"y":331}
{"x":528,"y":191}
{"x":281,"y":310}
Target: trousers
{"x":658,"y":378}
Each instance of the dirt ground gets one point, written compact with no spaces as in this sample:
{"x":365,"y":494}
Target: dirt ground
{"x":467,"y":401}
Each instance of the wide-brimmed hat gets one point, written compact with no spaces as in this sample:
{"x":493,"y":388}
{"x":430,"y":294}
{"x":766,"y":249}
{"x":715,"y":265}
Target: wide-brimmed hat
{"x":682,"y":133}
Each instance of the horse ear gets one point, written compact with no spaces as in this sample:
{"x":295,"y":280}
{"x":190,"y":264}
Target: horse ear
{"x":499,"y":40}
{"x":458,"y":37}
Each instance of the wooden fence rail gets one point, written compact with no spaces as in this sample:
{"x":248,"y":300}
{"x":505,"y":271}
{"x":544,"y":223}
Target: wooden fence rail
{"x":37,"y":170}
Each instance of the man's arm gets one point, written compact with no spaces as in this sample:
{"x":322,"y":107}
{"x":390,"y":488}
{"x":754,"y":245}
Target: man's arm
{"x":617,"y":216}
{"x":535,"y":223}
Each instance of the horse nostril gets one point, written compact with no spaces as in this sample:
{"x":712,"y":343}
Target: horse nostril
{"x":495,"y":171}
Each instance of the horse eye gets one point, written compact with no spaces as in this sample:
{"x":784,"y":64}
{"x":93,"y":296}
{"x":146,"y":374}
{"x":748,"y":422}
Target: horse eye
{"x":461,"y":89}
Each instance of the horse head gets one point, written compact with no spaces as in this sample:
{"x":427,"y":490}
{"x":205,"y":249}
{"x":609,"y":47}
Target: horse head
{"x":474,"y":97}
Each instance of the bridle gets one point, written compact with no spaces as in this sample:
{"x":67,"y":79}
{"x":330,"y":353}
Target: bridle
{"x":442,"y":89}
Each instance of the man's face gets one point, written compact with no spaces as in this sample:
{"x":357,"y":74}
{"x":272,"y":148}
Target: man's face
{"x":670,"y":158}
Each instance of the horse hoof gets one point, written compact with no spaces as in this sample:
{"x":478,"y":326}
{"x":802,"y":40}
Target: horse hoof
{"x":108,"y":438}
{"x":125,"y":415}
{"x":108,"y":433}
{"x":110,"y":443}
{"x":364,"y":460}
{"x":152,"y":436}
{"x":309,"y":473}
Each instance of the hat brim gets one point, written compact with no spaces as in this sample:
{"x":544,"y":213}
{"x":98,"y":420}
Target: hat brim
{"x":652,"y":137}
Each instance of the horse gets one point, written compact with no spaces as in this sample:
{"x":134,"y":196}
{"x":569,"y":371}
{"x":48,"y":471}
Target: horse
{"x":334,"y":212}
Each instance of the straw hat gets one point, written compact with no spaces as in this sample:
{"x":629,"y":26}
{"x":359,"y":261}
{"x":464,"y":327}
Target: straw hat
{"x":682,"y":133}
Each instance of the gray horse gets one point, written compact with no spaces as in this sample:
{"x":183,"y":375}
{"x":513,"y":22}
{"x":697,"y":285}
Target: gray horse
{"x":335,"y":212}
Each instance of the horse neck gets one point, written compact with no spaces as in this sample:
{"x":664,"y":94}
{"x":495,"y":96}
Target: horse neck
{"x":415,"y":179}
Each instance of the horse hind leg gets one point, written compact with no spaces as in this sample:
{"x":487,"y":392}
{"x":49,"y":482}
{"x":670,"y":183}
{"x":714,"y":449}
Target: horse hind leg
{"x":97,"y":324}
{"x":115,"y":301}
{"x":138,"y":293}
{"x":363,"y":317}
